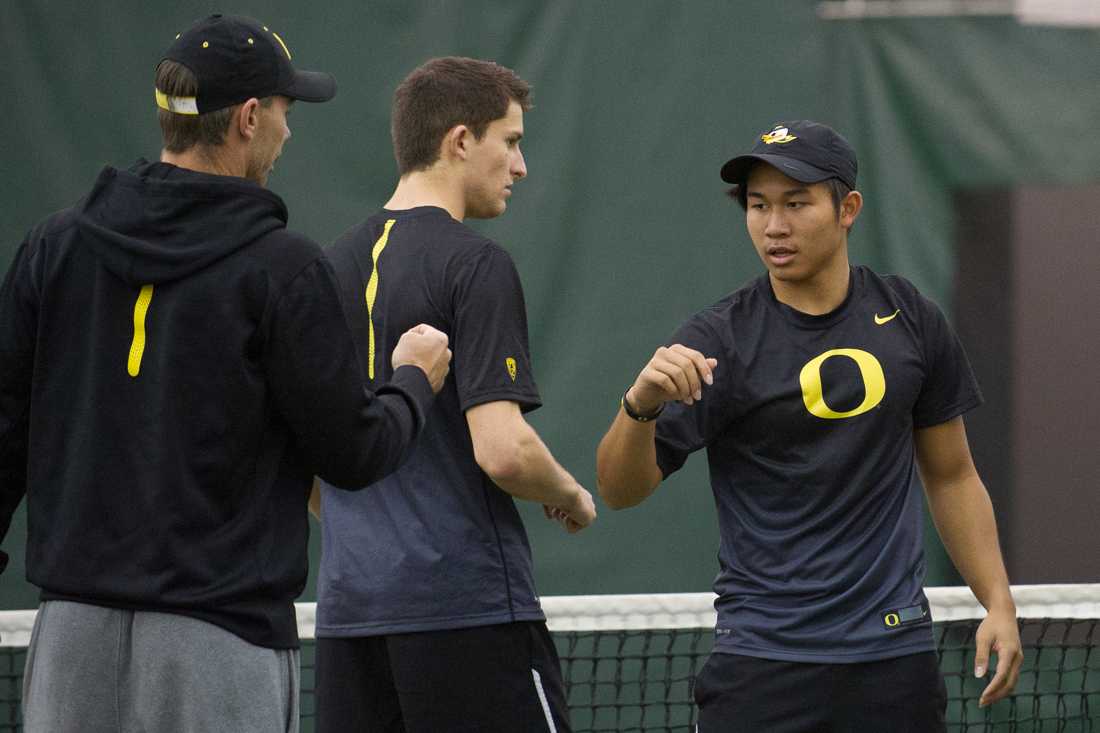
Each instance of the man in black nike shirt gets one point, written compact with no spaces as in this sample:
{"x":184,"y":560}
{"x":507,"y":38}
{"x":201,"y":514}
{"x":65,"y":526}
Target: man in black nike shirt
{"x":819,"y":390}
{"x":176,"y":367}
{"x":427,"y":616}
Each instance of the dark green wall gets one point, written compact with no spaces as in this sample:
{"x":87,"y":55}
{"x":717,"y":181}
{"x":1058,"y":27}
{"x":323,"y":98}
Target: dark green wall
{"x":621,"y":229}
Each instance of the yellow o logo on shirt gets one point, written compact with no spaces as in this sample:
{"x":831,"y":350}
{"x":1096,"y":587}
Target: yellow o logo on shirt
{"x":874,"y":383}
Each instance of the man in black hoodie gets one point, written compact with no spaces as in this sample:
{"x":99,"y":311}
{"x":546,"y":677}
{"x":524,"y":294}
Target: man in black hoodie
{"x":175,"y":368}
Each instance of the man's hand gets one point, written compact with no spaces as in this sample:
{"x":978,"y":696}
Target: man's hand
{"x":577,"y":516}
{"x":674,"y":373}
{"x":425,"y":347}
{"x":1000,"y":634}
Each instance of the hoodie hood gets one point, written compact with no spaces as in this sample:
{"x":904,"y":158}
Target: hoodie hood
{"x":157,"y":222}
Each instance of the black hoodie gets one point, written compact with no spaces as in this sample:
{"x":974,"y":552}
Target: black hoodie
{"x":174,"y":368}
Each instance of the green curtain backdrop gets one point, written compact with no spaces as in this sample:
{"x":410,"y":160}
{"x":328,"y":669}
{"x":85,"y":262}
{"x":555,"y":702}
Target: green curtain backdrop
{"x":622,"y":228}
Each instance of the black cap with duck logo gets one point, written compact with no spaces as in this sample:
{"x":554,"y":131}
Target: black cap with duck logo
{"x":234,"y":59}
{"x":806,"y":151}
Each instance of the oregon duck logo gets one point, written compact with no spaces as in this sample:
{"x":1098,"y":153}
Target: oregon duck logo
{"x":778,"y":135}
{"x":511,"y":364}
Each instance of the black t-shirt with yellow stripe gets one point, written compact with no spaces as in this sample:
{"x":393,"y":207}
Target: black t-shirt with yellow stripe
{"x":436,"y":545}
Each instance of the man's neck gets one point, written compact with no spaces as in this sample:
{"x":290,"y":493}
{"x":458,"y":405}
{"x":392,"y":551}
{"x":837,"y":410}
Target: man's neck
{"x":203,"y":160}
{"x":818,"y":296}
{"x":431,"y":187}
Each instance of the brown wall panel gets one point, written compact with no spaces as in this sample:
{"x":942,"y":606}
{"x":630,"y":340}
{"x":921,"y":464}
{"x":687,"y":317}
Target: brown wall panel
{"x":1056,"y":340}
{"x":1027,"y":307}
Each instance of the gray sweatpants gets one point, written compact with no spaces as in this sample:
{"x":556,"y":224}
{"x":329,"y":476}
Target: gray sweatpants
{"x":98,"y":670}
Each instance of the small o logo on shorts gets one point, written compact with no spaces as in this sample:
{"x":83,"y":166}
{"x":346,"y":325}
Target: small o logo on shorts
{"x":892,"y":619}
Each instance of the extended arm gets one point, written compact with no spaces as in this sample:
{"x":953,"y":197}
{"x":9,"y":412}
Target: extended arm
{"x":963,"y":514}
{"x":626,"y":461}
{"x":353,"y":437}
{"x":510,"y":452}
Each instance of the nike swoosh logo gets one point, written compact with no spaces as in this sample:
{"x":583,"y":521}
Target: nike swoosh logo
{"x":879,"y":320}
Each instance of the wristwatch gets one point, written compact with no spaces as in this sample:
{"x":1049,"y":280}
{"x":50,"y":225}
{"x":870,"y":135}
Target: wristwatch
{"x":635,"y":415}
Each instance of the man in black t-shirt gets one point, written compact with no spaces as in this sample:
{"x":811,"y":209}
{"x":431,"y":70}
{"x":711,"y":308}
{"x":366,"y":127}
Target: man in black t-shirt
{"x":818,"y":390}
{"x":428,"y":619}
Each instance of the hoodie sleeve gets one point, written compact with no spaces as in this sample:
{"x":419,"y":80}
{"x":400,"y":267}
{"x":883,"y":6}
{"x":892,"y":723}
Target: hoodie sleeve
{"x":353,"y":437}
{"x":18,"y":318}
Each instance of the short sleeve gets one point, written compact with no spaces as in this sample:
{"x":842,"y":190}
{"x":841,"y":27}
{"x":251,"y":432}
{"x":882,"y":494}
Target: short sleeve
{"x":950,"y":387}
{"x":492,"y":359}
{"x":683,"y":429}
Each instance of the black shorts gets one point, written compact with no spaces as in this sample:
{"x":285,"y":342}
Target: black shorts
{"x":738,"y":694}
{"x":487,"y":679}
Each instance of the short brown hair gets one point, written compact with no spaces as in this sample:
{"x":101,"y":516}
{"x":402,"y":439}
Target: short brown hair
{"x":183,"y":132}
{"x":445,"y":92}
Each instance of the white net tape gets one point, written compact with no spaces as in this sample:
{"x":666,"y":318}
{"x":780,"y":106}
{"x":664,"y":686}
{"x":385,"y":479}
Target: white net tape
{"x":696,"y":610}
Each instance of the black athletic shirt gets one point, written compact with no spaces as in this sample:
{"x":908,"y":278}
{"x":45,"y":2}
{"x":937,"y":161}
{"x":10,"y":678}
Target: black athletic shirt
{"x":809,"y":437}
{"x":436,"y":545}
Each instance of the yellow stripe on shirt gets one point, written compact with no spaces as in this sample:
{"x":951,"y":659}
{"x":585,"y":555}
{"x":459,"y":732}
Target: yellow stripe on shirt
{"x":372,"y":291}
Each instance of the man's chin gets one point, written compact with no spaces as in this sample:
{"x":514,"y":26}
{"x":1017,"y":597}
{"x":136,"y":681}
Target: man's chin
{"x":785,"y":274}
{"x":487,"y":212}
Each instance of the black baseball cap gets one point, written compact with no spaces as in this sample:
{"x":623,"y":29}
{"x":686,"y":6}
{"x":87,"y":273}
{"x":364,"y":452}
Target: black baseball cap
{"x":806,"y":151}
{"x":235,"y":58}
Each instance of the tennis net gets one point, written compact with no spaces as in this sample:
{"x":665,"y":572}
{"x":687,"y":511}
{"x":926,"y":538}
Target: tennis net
{"x":629,"y":660}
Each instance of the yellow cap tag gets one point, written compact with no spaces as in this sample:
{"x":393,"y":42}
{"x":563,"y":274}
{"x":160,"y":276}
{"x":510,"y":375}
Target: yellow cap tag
{"x":179,"y":105}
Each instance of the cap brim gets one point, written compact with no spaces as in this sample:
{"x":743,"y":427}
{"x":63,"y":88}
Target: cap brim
{"x":311,"y":86}
{"x":736,"y":170}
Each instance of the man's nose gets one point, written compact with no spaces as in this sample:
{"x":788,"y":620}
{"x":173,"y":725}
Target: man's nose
{"x":777,"y":223}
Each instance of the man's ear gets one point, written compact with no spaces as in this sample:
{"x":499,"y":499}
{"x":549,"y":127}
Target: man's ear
{"x":850,"y":206}
{"x":246,"y":118}
{"x":456,"y":143}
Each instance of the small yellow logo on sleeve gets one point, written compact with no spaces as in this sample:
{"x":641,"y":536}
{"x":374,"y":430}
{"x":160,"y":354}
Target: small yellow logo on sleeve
{"x":511,"y":364}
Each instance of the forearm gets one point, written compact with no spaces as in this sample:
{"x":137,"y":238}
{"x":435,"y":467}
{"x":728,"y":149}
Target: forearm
{"x":374,"y":437}
{"x":531,"y":472}
{"x":351,"y":437}
{"x":626,"y":462}
{"x":963,"y":515}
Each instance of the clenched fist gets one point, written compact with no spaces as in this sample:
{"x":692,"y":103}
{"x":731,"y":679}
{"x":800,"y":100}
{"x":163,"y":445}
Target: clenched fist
{"x":577,"y":514}
{"x":675,"y":373}
{"x":425,"y":347}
